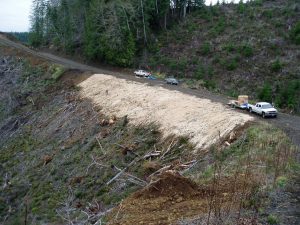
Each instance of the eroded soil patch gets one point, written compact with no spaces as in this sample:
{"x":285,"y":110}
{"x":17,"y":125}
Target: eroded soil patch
{"x":172,"y":197}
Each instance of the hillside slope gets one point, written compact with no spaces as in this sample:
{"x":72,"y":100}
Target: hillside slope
{"x":236,"y":49}
{"x":67,"y":159}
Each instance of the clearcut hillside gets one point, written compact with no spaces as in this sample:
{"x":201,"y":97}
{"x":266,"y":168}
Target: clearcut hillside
{"x":234,"y":49}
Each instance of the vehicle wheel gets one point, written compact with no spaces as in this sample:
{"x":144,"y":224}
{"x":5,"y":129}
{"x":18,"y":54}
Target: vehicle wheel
{"x":263,"y":115}
{"x":250,"y":110}
{"x":275,"y":116}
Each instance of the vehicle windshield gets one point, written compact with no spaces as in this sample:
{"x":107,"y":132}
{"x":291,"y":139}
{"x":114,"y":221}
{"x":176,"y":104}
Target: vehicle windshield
{"x":267,"y":106}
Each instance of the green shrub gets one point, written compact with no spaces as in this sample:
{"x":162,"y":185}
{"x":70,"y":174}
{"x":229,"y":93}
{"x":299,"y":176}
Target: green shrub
{"x":214,"y":10}
{"x":276,"y":66}
{"x":210,"y":84}
{"x":200,"y":72}
{"x":281,"y":181}
{"x":289,"y":95}
{"x":220,"y":27}
{"x":172,"y":64}
{"x":230,"y":47}
{"x":210,"y":71}
{"x":182,"y":64}
{"x":206,"y":48}
{"x":268,"y":14}
{"x":265,"y":94}
{"x":204,"y":14}
{"x":233,"y":93}
{"x":192,"y":27}
{"x":246,"y":50}
{"x":241,"y":8}
{"x":272,"y":219}
{"x":295,"y":33}
{"x":231,"y":64}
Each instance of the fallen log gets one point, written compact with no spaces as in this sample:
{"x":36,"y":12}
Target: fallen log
{"x":150,"y":155}
{"x":160,"y":171}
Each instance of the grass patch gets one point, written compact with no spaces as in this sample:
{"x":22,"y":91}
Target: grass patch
{"x":272,"y":220}
{"x":295,"y":33}
{"x":265,"y":147}
{"x":206,"y":48}
{"x":56,"y":72}
{"x":230,"y":47}
{"x":230,"y":64}
{"x":246,"y":50}
{"x":276,"y":66}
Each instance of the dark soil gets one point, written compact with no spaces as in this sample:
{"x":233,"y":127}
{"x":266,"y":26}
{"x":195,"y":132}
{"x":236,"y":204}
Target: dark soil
{"x":169,"y":184}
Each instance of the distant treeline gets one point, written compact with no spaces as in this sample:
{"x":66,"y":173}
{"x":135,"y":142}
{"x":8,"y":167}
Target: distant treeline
{"x":108,"y":30}
{"x":21,"y":36}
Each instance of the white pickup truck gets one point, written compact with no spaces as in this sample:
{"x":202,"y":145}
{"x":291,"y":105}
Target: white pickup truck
{"x":142,"y":73}
{"x":264,"y":109}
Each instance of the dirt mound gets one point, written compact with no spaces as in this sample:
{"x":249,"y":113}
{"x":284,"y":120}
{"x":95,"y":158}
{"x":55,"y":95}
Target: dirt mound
{"x":169,"y":184}
{"x":172,"y":198}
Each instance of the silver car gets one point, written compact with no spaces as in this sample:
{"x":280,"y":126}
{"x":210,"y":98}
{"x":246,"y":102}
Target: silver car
{"x":172,"y":81}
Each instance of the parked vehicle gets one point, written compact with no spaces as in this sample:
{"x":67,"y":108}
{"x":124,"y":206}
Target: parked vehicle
{"x":142,"y":73}
{"x":264,"y":109}
{"x":151,"y":77}
{"x":241,"y":103}
{"x":171,"y":81}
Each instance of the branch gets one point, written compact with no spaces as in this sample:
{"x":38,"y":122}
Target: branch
{"x":95,"y":163}
{"x":100,"y":146}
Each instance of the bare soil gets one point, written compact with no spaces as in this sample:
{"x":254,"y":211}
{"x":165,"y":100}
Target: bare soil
{"x":173,"y":197}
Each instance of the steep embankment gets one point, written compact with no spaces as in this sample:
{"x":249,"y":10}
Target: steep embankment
{"x":60,"y":152}
{"x":70,"y":155}
{"x":237,"y":49}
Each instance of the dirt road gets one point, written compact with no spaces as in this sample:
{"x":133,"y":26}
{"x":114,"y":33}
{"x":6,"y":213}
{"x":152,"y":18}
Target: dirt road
{"x":289,"y":123}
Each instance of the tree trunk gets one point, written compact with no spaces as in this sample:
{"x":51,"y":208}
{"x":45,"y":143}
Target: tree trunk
{"x":184,"y":9}
{"x":145,"y":35}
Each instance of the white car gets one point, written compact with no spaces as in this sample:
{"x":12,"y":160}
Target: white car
{"x":264,"y":109}
{"x":142,"y":73}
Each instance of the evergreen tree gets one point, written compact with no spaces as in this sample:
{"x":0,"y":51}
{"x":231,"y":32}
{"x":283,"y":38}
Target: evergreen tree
{"x":109,"y":30}
{"x":36,"y":35}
